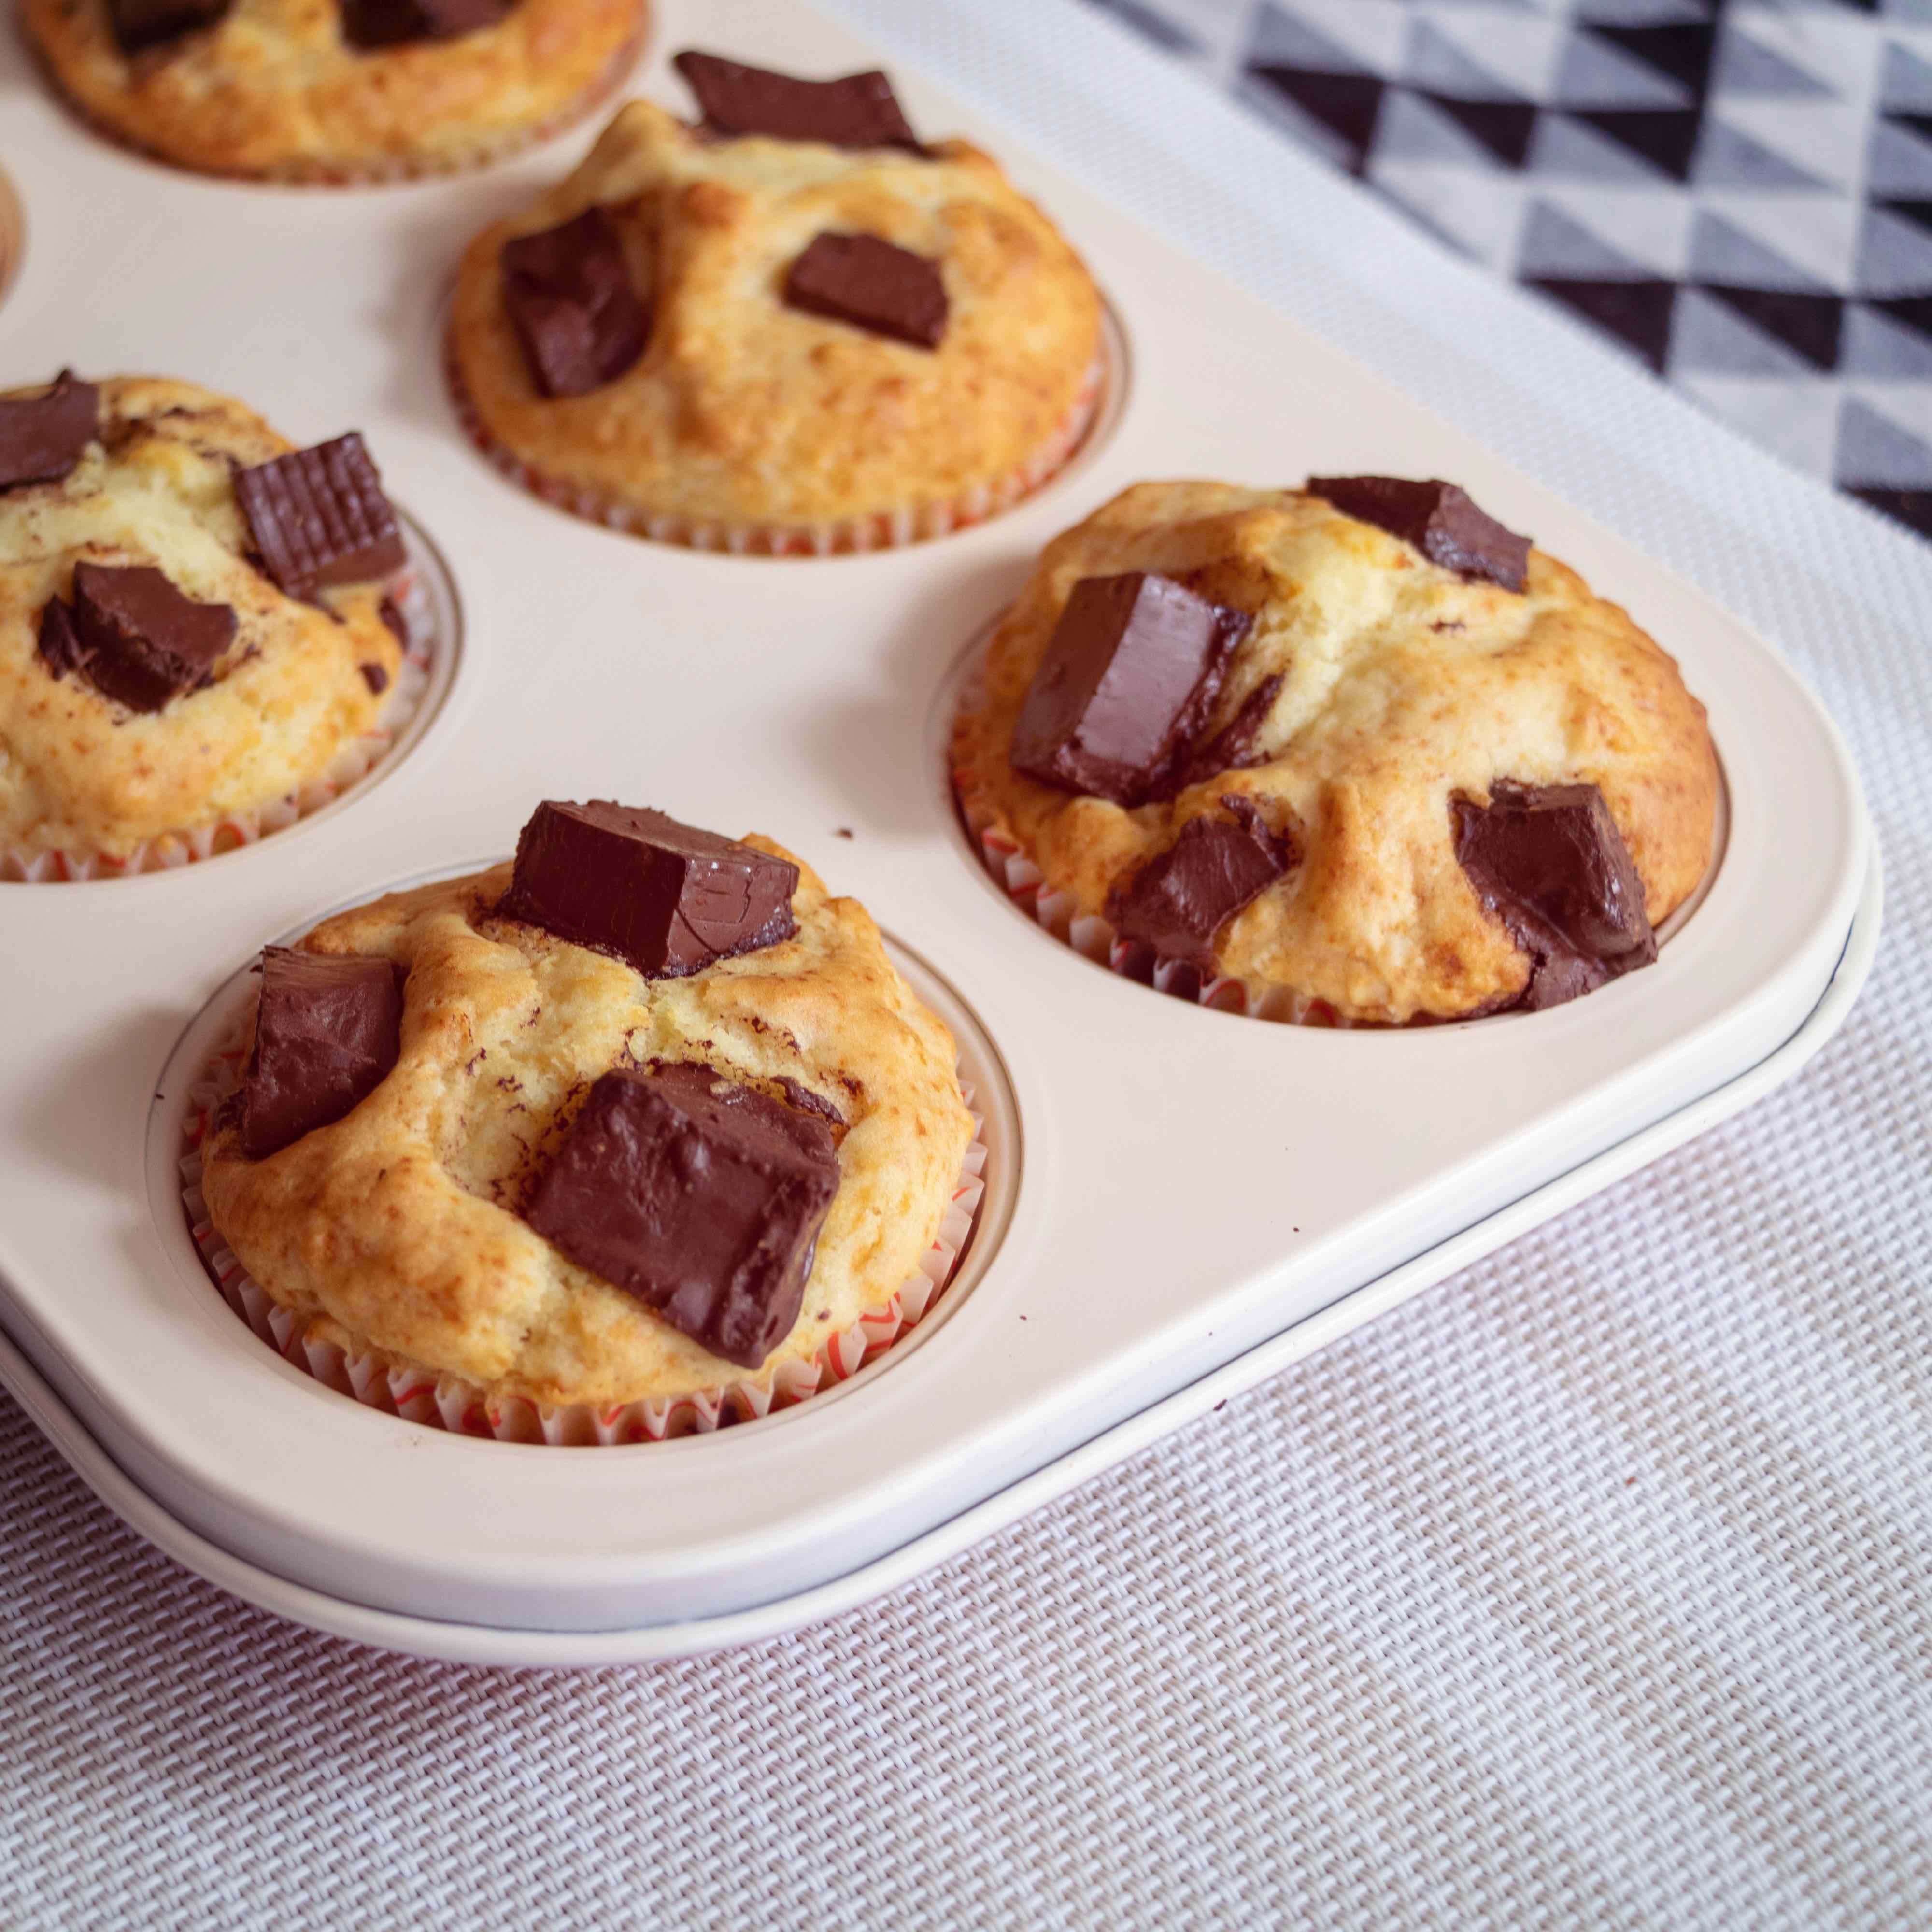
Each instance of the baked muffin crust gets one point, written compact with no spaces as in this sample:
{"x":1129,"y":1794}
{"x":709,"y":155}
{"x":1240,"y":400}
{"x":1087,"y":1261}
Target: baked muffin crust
{"x":398,"y":1226}
{"x":80,"y":773}
{"x":1403,"y":685}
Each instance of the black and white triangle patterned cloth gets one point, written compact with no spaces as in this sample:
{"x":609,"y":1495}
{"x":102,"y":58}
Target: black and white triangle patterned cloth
{"x":1739,"y":192}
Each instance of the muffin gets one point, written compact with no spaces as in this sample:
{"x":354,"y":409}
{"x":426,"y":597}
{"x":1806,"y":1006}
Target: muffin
{"x":333,"y":90}
{"x":790,"y":327}
{"x":1355,"y":753}
{"x":646,"y":1117}
{"x":196,"y":623}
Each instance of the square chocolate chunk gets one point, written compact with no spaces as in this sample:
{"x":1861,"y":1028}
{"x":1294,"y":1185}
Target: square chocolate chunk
{"x":319,"y":517}
{"x":1549,"y":863}
{"x":328,"y":1029}
{"x":857,"y":111}
{"x":41,"y":437}
{"x":1439,"y":518}
{"x":142,"y":642}
{"x":389,"y":23}
{"x":702,"y":1198}
{"x":138,"y":24}
{"x":873,"y":285}
{"x":570,"y":298}
{"x":666,"y":899}
{"x":1133,"y":667}
{"x":1179,"y":899}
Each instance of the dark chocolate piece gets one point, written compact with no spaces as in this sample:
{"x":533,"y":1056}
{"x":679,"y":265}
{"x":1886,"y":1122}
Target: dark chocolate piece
{"x":859,"y":110}
{"x":570,"y":299}
{"x":327,"y":1031}
{"x":798,"y":1095}
{"x":701,"y":1197}
{"x":41,"y":437}
{"x":1178,"y":901}
{"x":1232,"y":748}
{"x":872,"y":284}
{"x":1439,"y":518}
{"x":665,"y":897}
{"x":397,"y":625}
{"x":142,"y":642}
{"x":57,"y":641}
{"x":138,"y":24}
{"x":388,"y":23}
{"x":319,"y":517}
{"x":1549,"y":863}
{"x":375,"y":677}
{"x":1134,"y":665}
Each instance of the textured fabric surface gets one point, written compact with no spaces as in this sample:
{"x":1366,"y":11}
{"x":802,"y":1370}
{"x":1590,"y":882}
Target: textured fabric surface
{"x":1593,"y":1587}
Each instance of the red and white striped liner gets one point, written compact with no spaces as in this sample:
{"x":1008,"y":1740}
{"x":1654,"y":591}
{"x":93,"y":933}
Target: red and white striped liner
{"x":843,"y":536}
{"x":168,"y":851}
{"x":419,"y":1394}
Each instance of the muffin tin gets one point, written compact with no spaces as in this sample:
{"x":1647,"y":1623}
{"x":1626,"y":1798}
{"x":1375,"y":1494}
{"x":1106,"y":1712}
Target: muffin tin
{"x":1180,"y":1201}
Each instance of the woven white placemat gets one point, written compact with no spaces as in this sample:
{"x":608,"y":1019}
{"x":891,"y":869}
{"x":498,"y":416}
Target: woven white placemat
{"x":1593,"y":1588}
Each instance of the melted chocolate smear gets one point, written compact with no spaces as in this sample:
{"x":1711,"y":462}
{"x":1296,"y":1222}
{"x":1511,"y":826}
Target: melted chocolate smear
{"x":859,"y":110}
{"x":41,"y":437}
{"x":1549,"y":863}
{"x":140,"y":641}
{"x":319,"y":517}
{"x":873,"y":285}
{"x":701,"y":1197}
{"x":389,"y":23}
{"x":665,"y":897}
{"x":570,"y":298}
{"x":139,"y":24}
{"x":327,"y":1032}
{"x":1179,"y":900}
{"x":1439,"y":518}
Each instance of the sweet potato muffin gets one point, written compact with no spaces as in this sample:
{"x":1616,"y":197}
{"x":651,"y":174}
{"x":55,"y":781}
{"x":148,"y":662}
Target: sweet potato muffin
{"x":683,"y":1147}
{"x":177,"y":645}
{"x":718,"y":335}
{"x":1357,"y":746}
{"x":333,"y":90}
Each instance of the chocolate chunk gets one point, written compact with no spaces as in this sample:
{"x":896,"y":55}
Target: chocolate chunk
{"x":666,"y":899}
{"x":1133,"y":667}
{"x":701,"y":1197}
{"x":1549,"y":863}
{"x":570,"y":299}
{"x":41,"y":436}
{"x":859,"y":111}
{"x":1232,"y":748}
{"x":148,"y":23}
{"x":327,"y":1031}
{"x":375,"y":677}
{"x":1177,"y":901}
{"x":801,"y":1097}
{"x":57,"y":641}
{"x":319,"y":517}
{"x":872,"y":285}
{"x":1438,"y":518}
{"x":387,"y":23}
{"x":397,"y":625}
{"x":142,"y":642}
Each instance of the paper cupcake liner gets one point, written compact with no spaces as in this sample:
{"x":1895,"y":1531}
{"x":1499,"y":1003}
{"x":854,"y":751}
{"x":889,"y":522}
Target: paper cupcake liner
{"x":397,"y":1387}
{"x":485,"y":151}
{"x":167,"y":851}
{"x":835,"y":537}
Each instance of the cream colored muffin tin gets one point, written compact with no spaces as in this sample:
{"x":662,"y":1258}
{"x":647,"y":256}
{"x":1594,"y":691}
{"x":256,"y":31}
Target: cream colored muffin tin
{"x":1180,"y":1201}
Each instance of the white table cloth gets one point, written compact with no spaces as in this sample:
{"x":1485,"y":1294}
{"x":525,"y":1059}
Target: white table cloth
{"x":1593,"y":1587}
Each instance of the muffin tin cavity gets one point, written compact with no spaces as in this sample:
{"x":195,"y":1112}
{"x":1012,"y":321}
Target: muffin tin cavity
{"x":203,"y":1066}
{"x":426,"y":598}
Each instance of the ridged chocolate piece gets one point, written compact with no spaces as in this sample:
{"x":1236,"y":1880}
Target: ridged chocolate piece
{"x":571,"y":300}
{"x":140,"y":641}
{"x":1132,"y":668}
{"x":859,"y":110}
{"x":1549,"y":863}
{"x":702,"y":1198}
{"x":328,"y":1029}
{"x":41,"y":437}
{"x":319,"y":517}
{"x":388,"y":23}
{"x":664,"y":898}
{"x":1439,"y":518}
{"x":872,"y":284}
{"x":138,"y":24}
{"x":1178,"y":901}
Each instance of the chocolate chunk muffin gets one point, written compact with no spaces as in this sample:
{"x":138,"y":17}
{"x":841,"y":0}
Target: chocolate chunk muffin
{"x":647,"y":1113}
{"x":1356,"y":750}
{"x":790,"y":325}
{"x":334,"y":90}
{"x":193,"y":617}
